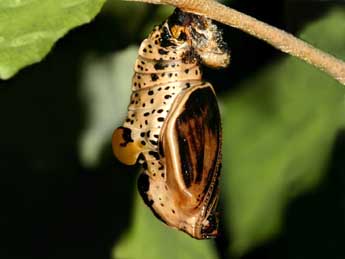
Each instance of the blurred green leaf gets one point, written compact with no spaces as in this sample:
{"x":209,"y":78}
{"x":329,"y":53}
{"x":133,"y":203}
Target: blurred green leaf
{"x":149,"y":238}
{"x":29,"y":28}
{"x":278,"y":133}
{"x":104,"y":79}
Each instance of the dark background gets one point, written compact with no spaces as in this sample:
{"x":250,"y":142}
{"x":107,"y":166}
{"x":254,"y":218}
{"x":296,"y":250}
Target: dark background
{"x":52,"y":207}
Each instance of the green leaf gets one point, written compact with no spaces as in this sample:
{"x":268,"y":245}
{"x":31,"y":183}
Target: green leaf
{"x":149,"y":238}
{"x":278,"y":134}
{"x":29,"y":28}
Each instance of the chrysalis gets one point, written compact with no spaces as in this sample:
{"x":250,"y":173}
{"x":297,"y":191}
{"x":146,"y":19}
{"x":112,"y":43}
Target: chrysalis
{"x":173,"y":124}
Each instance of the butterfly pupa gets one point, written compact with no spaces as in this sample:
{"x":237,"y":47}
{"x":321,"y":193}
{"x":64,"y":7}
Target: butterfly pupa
{"x":173,"y":125}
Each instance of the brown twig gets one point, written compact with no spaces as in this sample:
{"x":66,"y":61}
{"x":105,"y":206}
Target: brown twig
{"x":279,"y":39}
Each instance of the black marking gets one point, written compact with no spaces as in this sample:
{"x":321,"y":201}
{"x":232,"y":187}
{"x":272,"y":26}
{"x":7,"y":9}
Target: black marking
{"x":143,"y":187}
{"x":146,"y":114}
{"x":153,"y":142}
{"x":160,"y":66}
{"x":186,"y":165}
{"x":182,"y":36}
{"x":154,"y":77}
{"x":150,"y":92}
{"x":167,"y":96}
{"x":126,"y":136}
{"x":143,"y":143}
{"x":160,"y":110}
{"x":165,"y":38}
{"x":154,"y":154}
{"x":186,"y":71}
{"x":163,"y":51}
{"x":142,"y":134}
{"x":161,"y":150}
{"x":151,"y":101}
{"x":160,"y":119}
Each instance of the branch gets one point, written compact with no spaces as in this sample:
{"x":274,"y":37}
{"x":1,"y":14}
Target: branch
{"x":279,"y":39}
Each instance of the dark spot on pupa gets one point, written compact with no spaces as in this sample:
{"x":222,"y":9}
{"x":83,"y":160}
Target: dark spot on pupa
{"x":154,"y":154}
{"x":143,"y":187}
{"x":150,"y":92}
{"x":126,"y":136}
{"x":154,"y":77}
{"x":155,"y":143}
{"x":160,"y":66}
{"x":146,"y":114}
{"x":163,"y":51}
{"x":167,"y":96}
{"x":160,"y":119}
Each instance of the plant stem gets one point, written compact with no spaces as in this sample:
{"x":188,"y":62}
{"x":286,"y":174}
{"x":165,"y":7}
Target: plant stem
{"x":279,"y":39}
